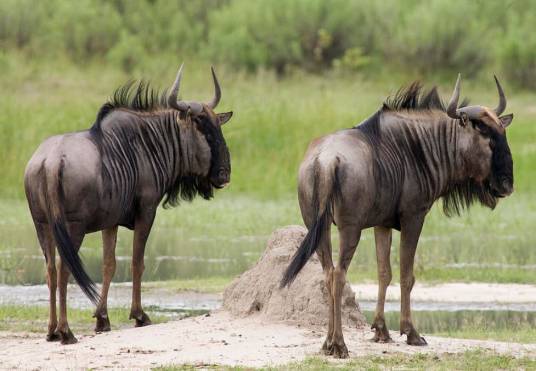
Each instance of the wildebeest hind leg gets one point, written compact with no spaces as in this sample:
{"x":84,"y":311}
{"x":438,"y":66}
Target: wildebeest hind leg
{"x":324,"y":254}
{"x":46,"y":240}
{"x":141,"y":232}
{"x":409,"y":238}
{"x":76,"y":232}
{"x":349,"y":238}
{"x":109,"y":239}
{"x":383,"y":237}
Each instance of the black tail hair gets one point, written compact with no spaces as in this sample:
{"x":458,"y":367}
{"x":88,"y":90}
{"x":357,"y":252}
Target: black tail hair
{"x":54,"y":199}
{"x":316,"y":232}
{"x":70,"y":257}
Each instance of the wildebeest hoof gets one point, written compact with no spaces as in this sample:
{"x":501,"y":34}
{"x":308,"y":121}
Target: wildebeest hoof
{"x":103,"y":324}
{"x":338,"y":350}
{"x":53,"y":336}
{"x":381,"y":334}
{"x":326,"y":347}
{"x":415,"y":339}
{"x":142,"y":319}
{"x":67,"y":337}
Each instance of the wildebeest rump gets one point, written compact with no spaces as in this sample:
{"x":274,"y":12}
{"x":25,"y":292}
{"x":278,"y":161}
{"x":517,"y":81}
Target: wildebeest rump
{"x":386,"y":173}
{"x":144,"y":147}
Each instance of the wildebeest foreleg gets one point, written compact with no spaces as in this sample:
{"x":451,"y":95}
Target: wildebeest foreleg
{"x":109,"y":239}
{"x":46,"y":240}
{"x":76,"y":232}
{"x":142,"y":229}
{"x":349,"y":237}
{"x":383,"y":237}
{"x":410,"y":232}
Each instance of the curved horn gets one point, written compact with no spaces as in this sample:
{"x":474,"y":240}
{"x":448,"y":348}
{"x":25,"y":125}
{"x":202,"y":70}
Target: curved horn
{"x":472,"y":112}
{"x":174,"y":92}
{"x":502,"y":99}
{"x":453,"y":104}
{"x":217,"y":91}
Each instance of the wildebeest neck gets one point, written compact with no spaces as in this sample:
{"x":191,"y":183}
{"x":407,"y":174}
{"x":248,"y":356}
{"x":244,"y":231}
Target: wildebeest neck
{"x":416,"y":151}
{"x":157,"y":151}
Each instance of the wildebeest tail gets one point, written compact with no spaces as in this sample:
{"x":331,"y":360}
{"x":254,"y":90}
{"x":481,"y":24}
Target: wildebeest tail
{"x":323,"y":205}
{"x":68,"y":252}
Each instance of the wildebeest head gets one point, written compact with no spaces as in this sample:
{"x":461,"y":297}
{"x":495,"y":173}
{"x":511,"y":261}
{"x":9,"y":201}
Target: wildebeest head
{"x":484,"y":146}
{"x":208,"y":127}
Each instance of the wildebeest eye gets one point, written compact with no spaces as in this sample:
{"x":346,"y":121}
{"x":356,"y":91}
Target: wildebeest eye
{"x":482,"y":128}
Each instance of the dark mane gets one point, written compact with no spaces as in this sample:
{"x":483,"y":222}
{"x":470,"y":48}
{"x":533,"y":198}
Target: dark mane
{"x":413,"y":98}
{"x":402,"y":144}
{"x":459,"y":197}
{"x":136,"y":96}
{"x":154,"y":139}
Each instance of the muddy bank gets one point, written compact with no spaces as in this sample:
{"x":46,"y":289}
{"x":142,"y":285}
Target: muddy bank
{"x":217,"y":339}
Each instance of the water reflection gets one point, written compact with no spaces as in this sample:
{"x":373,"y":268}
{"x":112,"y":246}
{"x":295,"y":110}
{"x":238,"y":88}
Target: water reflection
{"x":430,"y":322}
{"x":170,"y":254}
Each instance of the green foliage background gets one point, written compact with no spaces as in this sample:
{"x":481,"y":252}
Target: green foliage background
{"x":437,"y":36}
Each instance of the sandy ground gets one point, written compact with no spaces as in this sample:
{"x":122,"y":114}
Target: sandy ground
{"x":215,"y":339}
{"x":455,"y":293}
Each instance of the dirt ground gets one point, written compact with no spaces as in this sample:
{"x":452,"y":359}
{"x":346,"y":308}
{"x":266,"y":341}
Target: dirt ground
{"x":219,"y":338}
{"x":491,"y":293}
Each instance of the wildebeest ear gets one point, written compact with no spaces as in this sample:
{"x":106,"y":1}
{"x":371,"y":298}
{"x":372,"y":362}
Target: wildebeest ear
{"x":506,"y":120}
{"x":224,"y":117}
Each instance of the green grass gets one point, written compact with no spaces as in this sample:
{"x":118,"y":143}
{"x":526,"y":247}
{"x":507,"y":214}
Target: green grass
{"x":434,"y":275}
{"x":498,"y":325}
{"x":525,"y":335}
{"x":471,"y":360}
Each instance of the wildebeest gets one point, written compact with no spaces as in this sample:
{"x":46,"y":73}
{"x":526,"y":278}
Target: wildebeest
{"x":386,"y":173}
{"x":144,"y":146}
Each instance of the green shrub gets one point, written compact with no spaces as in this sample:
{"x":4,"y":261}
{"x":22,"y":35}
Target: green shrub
{"x":352,"y":60}
{"x":280,"y":34}
{"x":517,"y":51}
{"x":20,"y":22}
{"x":441,"y":35}
{"x":128,"y":53}
{"x":430,"y":37}
{"x":168,"y":26}
{"x":86,"y":28}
